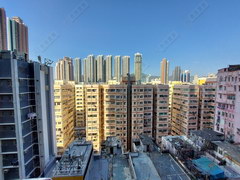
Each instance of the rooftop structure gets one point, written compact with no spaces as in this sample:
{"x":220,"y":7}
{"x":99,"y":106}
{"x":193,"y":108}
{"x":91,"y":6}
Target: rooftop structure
{"x":75,"y":162}
{"x":208,"y":168}
{"x":144,"y":167}
{"x":229,"y":151}
{"x":208,"y":134}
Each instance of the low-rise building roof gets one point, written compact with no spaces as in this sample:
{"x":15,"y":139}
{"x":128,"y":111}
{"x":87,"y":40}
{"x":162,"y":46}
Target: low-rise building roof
{"x":232,"y":151}
{"x":209,"y":135}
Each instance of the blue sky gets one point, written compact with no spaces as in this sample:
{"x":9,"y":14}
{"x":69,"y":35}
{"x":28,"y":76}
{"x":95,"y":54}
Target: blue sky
{"x":201,"y":36}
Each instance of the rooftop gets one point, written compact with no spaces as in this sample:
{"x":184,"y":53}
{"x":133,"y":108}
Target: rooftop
{"x":209,"y":135}
{"x":230,"y":68}
{"x":74,"y":161}
{"x":120,"y":168}
{"x":208,"y":167}
{"x":146,"y":140}
{"x":144,"y":167}
{"x":230,"y":149}
{"x":179,"y":142}
{"x":167,"y":167}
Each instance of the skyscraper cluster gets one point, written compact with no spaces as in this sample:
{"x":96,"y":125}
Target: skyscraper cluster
{"x":181,"y":75}
{"x":64,"y":69}
{"x":98,"y":69}
{"x":177,"y":75}
{"x":13,"y":34}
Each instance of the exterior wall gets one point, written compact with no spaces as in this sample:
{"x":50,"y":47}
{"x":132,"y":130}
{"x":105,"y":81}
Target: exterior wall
{"x":108,"y":63}
{"x":138,"y":67}
{"x":115,"y":112}
{"x":117,"y":68}
{"x":77,"y":70}
{"x":207,"y":106}
{"x":161,"y":112}
{"x":100,"y":69}
{"x":17,"y":35}
{"x":228,"y":104}
{"x":142,"y":114}
{"x":164,"y":71}
{"x":171,"y":86}
{"x":125,"y":65}
{"x":3,"y":30}
{"x":23,"y":150}
{"x":43,"y":76}
{"x":64,"y":98}
{"x":64,"y":69}
{"x":185,"y":109}
{"x":80,"y":123}
{"x":94,"y":115}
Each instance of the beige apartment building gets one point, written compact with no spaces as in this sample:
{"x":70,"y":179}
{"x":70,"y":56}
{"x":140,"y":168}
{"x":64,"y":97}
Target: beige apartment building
{"x":98,"y":111}
{"x":161,"y":112}
{"x":193,"y":108}
{"x":171,"y":85}
{"x":106,"y":112}
{"x":94,"y":115}
{"x":64,"y":100}
{"x":207,"y":98}
{"x":142,"y":110}
{"x":80,"y":122}
{"x":115,"y":112}
{"x":185,"y":102}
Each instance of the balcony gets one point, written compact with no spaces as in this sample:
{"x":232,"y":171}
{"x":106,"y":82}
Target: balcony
{"x":28,"y":154}
{"x":29,"y":167}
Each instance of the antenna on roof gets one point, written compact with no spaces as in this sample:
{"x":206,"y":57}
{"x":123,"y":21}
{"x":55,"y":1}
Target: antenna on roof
{"x":48,"y":62}
{"x":39,"y":59}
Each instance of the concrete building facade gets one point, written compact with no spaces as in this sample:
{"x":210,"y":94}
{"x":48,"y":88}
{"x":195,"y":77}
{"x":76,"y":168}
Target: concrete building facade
{"x":27,"y":133}
{"x":100,"y":69}
{"x":64,"y":99}
{"x":77,"y":68}
{"x":117,"y":68}
{"x":125,"y":65}
{"x":3,"y":30}
{"x":164,"y":71}
{"x":138,"y":67}
{"x":17,"y":36}
{"x":108,"y":62}
{"x":80,"y":121}
{"x":185,"y":102}
{"x":64,"y":69}
{"x":161,"y":120}
{"x":228,"y":103}
{"x":207,"y":98}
